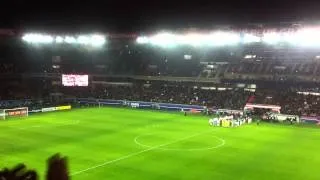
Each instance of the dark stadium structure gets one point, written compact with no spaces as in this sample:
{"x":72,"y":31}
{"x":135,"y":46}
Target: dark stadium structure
{"x":222,"y":77}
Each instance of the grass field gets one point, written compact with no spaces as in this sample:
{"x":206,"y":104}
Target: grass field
{"x":124,"y":144}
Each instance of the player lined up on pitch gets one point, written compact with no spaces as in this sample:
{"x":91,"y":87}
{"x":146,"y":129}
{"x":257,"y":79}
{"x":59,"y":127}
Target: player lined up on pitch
{"x":229,"y":121}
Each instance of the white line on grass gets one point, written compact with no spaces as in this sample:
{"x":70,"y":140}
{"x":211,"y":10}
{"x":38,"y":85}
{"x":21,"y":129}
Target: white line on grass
{"x":222,"y":143}
{"x":135,"y":154}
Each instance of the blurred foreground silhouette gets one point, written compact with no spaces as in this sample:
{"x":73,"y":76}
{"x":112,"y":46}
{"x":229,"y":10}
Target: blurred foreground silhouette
{"x":57,"y":169}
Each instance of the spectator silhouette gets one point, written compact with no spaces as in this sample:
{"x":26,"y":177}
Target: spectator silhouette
{"x":19,"y":172}
{"x":57,"y":168}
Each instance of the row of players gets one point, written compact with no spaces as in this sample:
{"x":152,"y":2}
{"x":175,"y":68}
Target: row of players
{"x":229,"y":121}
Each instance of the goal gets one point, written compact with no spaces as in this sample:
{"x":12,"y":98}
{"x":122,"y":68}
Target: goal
{"x":14,"y":112}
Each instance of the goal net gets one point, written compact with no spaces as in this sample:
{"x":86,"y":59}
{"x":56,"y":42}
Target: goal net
{"x":14,"y":112}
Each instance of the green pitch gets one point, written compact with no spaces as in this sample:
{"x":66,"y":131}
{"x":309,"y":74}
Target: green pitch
{"x":125,"y":144}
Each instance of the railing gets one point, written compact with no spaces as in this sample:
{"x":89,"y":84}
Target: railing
{"x":161,"y":78}
{"x":139,"y":104}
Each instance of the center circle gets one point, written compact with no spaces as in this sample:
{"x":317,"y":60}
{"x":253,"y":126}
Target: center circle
{"x":138,"y":141}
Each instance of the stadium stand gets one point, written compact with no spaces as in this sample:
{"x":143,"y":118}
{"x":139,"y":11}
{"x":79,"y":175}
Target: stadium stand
{"x":133,"y":69}
{"x":293,"y":100}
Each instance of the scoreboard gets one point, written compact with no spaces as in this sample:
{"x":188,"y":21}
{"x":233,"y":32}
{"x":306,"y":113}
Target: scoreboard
{"x":75,"y":80}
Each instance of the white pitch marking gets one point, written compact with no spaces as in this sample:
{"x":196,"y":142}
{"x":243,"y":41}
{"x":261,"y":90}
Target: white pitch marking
{"x":222,"y":143}
{"x":135,"y":154}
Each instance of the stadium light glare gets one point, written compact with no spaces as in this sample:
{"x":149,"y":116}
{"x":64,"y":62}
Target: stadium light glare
{"x":164,"y":40}
{"x":308,"y":37}
{"x":93,"y":40}
{"x":213,"y":39}
{"x":59,"y":39}
{"x":97,"y":40}
{"x":187,"y":56}
{"x":30,"y":38}
{"x":223,"y":39}
{"x":249,"y":38}
{"x":272,"y":38}
{"x":70,"y":40}
{"x":232,"y":38}
{"x":47,"y":39}
{"x":83,"y":40}
{"x":192,"y":39}
{"x":291,"y":38}
{"x":250,"y":56}
{"x":37,"y":38}
{"x":142,"y":40}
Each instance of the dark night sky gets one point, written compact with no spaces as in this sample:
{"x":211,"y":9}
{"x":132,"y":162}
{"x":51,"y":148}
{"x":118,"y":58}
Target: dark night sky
{"x":136,"y":16}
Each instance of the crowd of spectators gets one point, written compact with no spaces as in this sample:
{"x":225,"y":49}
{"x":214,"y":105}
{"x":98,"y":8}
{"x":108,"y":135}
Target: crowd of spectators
{"x":297,"y":101}
{"x":292,"y":101}
{"x":8,"y":68}
{"x":274,"y":68}
{"x":270,"y":70}
{"x":179,"y":93}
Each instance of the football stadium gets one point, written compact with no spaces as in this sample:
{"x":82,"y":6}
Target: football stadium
{"x":226,"y":103}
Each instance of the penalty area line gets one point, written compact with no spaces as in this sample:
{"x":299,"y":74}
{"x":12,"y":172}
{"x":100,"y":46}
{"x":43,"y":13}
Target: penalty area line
{"x":135,"y":154}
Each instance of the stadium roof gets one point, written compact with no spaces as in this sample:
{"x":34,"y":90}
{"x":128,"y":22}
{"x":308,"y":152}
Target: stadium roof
{"x":143,"y":15}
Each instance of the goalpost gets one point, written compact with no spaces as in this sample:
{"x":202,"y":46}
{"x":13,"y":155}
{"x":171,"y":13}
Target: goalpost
{"x":14,"y":112}
{"x":2,"y":114}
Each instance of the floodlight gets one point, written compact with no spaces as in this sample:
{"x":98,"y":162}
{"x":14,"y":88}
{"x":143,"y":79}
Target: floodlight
{"x":59,"y":39}
{"x":83,"y":40}
{"x":97,"y":40}
{"x":223,"y":38}
{"x":249,"y":38}
{"x":191,"y":39}
{"x":271,"y":38}
{"x":308,"y":37}
{"x":142,"y":40}
{"x":47,"y":39}
{"x":28,"y":37}
{"x":70,"y":40}
{"x":164,"y":40}
{"x":250,"y":56}
{"x":37,"y":38}
{"x":187,"y":57}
